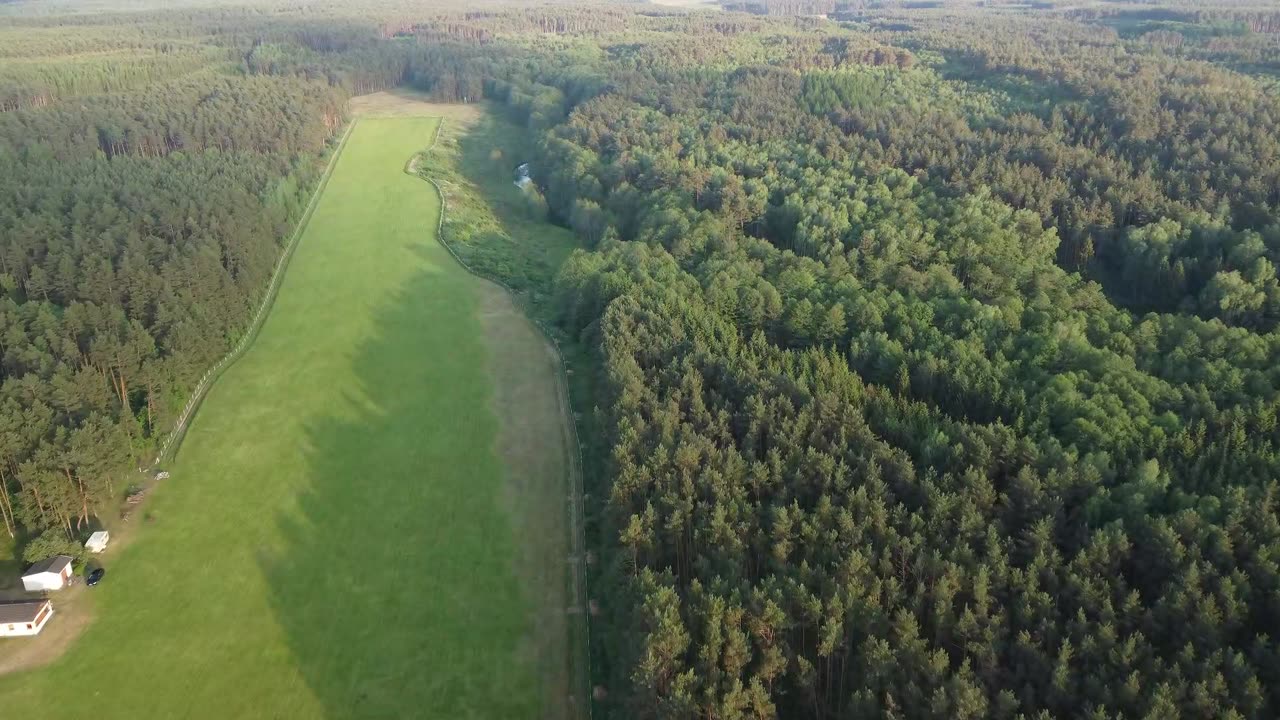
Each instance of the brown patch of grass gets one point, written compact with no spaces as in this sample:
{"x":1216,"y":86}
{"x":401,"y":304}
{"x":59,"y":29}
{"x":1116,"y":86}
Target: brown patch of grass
{"x":409,"y":103}
{"x":534,"y":450}
{"x":488,"y":224}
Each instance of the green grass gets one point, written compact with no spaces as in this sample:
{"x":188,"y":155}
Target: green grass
{"x":490,"y":224}
{"x":332,"y":541}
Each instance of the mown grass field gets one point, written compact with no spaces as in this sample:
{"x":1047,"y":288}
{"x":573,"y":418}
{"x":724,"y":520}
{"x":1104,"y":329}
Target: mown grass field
{"x":339,"y":537}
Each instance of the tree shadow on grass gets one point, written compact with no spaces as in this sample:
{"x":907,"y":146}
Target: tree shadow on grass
{"x":395,"y":588}
{"x":494,"y":230}
{"x":507,"y":242}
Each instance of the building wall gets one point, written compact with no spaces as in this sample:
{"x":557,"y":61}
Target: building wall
{"x":45,"y":581}
{"x":21,"y":629}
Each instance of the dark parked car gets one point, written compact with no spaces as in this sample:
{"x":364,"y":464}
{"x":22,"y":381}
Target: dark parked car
{"x":95,"y":577}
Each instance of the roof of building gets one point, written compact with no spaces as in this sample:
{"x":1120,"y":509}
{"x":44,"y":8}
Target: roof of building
{"x":100,"y":535}
{"x":21,"y":612}
{"x":55,"y":564}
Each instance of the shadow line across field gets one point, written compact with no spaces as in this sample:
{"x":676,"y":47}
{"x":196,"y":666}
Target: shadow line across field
{"x":340,"y":538}
{"x":492,"y":231}
{"x":423,"y":564}
{"x":396,"y":550}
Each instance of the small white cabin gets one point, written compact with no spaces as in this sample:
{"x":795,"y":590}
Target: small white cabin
{"x":97,"y":542}
{"x":51,"y":574}
{"x":24,"y":618}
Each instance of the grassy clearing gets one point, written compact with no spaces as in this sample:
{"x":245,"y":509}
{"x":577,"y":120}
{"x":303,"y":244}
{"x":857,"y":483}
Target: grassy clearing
{"x":402,"y":102}
{"x":534,"y":449}
{"x":337,"y":536}
{"x":490,"y":226}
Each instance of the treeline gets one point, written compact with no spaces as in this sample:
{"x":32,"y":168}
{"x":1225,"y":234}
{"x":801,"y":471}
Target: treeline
{"x":875,"y":443}
{"x":926,"y":472}
{"x":1257,"y":19}
{"x":279,"y":117}
{"x":1094,"y":142}
{"x":141,"y":216}
{"x":123,"y":281}
{"x":783,"y":7}
{"x":36,"y":85}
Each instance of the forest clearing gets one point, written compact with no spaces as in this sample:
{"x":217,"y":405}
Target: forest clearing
{"x":770,"y":359}
{"x":340,"y":512}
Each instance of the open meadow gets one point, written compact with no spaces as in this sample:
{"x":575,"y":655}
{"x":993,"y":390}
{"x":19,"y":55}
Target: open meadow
{"x":346,"y":532}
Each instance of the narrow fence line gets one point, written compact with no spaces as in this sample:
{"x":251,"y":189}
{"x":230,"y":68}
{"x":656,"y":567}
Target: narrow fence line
{"x":569,"y":426}
{"x":175,"y":436}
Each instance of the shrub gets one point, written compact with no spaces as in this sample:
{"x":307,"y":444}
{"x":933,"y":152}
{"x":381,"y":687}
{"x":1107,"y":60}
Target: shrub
{"x":49,"y":543}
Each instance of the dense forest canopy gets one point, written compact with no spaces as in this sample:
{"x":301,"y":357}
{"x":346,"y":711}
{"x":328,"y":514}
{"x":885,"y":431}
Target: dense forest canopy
{"x":936,"y":354}
{"x":147,"y":186}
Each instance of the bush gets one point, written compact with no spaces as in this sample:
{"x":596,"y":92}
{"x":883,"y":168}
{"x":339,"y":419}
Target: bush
{"x":51,"y":542}
{"x":535,"y":203}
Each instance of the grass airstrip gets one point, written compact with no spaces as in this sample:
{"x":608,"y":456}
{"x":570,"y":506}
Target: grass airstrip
{"x":366,"y":517}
